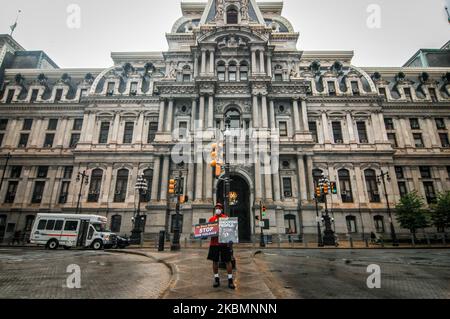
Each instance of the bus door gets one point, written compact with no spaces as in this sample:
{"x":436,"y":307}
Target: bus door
{"x":84,"y":227}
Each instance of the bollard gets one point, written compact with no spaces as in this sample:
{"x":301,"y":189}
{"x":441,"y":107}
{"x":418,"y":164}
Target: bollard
{"x":413,"y":241}
{"x":351,"y":242}
{"x":162,"y":237}
{"x":279,"y":242}
{"x":367,"y":242}
{"x":185,"y":243}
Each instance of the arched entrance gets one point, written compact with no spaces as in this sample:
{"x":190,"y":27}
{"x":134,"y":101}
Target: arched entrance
{"x":240,"y":207}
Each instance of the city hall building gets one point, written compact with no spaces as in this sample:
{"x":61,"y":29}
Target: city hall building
{"x":225,"y":58}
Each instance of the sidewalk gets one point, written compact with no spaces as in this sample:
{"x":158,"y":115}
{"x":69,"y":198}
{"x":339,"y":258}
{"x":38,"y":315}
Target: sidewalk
{"x":192,"y":276}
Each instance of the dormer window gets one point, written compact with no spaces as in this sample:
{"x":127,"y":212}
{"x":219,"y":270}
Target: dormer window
{"x":110,"y":89}
{"x":232,"y":16}
{"x":10,"y":96}
{"x":331,"y":88}
{"x":58,"y":95}
{"x":133,"y":88}
{"x":34,"y":95}
{"x":355,"y":88}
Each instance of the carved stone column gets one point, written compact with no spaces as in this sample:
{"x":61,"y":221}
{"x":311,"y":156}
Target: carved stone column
{"x":265,"y":118}
{"x":297,"y":127}
{"x":165,"y":178}
{"x":211,"y":62}
{"x":261,"y":62}
{"x":201,"y":112}
{"x":155,"y":180}
{"x":255,"y":111}
{"x":169,"y":120}
{"x":161,"y":116}
{"x":203,"y":70}
{"x":211,"y":112}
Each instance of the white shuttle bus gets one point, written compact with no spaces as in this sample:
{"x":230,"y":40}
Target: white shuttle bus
{"x":84,"y":231}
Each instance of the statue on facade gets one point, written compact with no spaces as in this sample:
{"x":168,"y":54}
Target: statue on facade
{"x":244,"y":10}
{"x":294,"y":73}
{"x":219,"y":10}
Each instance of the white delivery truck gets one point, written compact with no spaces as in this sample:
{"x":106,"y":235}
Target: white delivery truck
{"x":70,"y":230}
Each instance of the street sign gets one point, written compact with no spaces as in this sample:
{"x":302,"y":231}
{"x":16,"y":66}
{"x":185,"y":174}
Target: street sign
{"x":229,"y":230}
{"x":206,"y":230}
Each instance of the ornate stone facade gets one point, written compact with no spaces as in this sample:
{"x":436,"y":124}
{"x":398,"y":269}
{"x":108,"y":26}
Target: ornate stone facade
{"x":345,"y":122}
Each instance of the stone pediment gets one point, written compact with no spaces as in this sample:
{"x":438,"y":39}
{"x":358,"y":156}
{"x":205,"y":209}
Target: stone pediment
{"x":233,"y":36}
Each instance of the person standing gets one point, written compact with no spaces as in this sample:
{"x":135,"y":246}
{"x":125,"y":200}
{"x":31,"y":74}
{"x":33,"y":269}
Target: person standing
{"x":220,"y":252}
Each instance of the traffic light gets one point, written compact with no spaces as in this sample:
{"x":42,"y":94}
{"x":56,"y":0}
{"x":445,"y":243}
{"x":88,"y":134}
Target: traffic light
{"x":318,"y":192}
{"x":214,"y":155}
{"x":172,"y":185}
{"x":215,"y":161}
{"x":264,"y":211}
{"x":325,"y":188}
{"x":333,"y":188}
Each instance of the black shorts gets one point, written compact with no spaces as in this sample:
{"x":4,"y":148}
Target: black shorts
{"x":220,"y":254}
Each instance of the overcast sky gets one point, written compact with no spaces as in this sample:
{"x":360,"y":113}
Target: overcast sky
{"x":140,"y":25}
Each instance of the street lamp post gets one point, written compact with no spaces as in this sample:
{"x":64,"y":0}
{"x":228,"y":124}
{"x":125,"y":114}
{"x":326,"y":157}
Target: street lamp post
{"x":319,"y":231}
{"x":176,"y":231}
{"x":227,"y":181}
{"x":328,"y":237}
{"x":262,"y":243}
{"x":8,"y":157}
{"x":381,"y":180}
{"x":84,"y":177}
{"x":142,"y":187}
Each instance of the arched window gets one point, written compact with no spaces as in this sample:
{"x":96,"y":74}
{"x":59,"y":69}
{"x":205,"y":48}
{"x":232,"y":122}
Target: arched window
{"x":372,"y":186}
{"x":148,"y":176}
{"x":232,"y":72}
{"x":345,"y":186}
{"x":121,"y":186}
{"x":221,"y":71}
{"x":232,"y":16}
{"x":379,"y":223}
{"x":351,"y":224}
{"x":243,"y":71}
{"x":95,"y":187}
{"x":116,"y":223}
{"x":235,"y":118}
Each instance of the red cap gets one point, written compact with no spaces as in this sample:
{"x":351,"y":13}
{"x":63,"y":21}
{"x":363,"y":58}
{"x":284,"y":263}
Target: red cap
{"x":219,"y":205}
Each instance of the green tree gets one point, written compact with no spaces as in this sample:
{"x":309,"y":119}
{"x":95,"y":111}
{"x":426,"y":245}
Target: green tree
{"x":440,"y":214}
{"x":411,"y":214}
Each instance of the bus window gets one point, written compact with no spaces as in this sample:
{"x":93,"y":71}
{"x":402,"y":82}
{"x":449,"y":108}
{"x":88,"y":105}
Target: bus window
{"x":50,"y":225}
{"x":71,"y":225}
{"x":99,"y":227}
{"x":59,"y":224}
{"x":41,"y":225}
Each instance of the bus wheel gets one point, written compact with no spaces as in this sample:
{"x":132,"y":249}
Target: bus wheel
{"x":97,"y":245}
{"x":52,"y":244}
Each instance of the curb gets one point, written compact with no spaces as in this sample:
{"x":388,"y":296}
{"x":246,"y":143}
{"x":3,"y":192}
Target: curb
{"x":170,"y":266}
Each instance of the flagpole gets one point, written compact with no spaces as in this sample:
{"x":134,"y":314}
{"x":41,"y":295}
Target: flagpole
{"x":13,"y":27}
